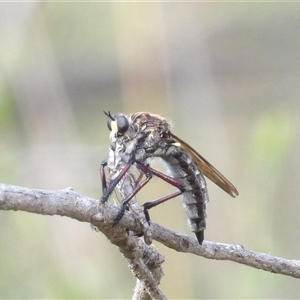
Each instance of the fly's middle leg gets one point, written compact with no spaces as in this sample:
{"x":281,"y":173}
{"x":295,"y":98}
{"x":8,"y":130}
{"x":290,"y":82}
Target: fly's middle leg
{"x":139,"y":185}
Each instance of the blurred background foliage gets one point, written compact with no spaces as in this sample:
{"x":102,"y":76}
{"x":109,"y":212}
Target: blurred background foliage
{"x":226,"y":74}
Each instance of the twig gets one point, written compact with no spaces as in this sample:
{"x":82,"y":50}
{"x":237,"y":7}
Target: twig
{"x":68,"y":203}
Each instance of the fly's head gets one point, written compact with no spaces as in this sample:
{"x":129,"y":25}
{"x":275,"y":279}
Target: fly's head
{"x":137,"y":134}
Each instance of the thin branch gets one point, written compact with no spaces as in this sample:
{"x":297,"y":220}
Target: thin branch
{"x":68,"y":203}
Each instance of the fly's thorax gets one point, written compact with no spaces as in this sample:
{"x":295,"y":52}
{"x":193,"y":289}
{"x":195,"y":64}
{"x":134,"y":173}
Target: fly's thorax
{"x":149,"y":130}
{"x":155,"y":146}
{"x":142,"y":121}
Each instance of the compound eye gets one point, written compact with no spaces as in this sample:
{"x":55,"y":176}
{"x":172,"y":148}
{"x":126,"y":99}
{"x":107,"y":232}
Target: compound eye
{"x":122,"y":124}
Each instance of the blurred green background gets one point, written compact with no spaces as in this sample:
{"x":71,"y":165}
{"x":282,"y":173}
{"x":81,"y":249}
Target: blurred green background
{"x":226,"y":74}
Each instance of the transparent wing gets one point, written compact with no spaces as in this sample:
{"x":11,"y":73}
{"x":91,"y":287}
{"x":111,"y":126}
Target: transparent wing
{"x":207,"y":169}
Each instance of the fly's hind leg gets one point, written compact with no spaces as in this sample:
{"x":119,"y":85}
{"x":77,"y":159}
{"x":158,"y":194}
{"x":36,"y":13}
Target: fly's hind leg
{"x":172,"y":181}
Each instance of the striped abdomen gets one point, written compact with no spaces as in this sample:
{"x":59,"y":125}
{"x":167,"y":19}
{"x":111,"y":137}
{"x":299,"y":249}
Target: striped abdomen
{"x":195,"y":194}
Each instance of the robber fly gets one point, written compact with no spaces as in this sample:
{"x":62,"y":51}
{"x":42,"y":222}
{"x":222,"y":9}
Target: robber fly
{"x":136,"y":140}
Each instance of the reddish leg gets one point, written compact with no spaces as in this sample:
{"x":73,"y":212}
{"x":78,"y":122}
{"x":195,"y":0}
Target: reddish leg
{"x":139,"y":185}
{"x":162,"y":176}
{"x":148,"y":171}
{"x":108,"y":190}
{"x":167,"y":179}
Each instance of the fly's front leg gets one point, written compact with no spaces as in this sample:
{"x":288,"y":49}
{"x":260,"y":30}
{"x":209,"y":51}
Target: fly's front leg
{"x":113,"y":183}
{"x":103,"y":176}
{"x":129,"y":188}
